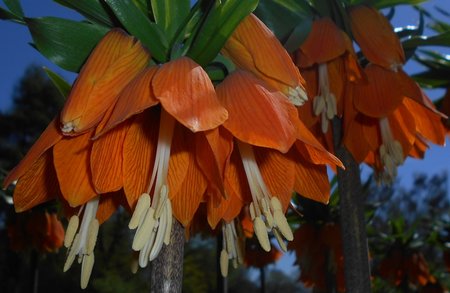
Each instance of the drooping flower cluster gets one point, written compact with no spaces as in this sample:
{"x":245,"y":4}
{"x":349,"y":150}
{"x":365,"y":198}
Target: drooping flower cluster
{"x":386,"y":116}
{"x":160,"y":140}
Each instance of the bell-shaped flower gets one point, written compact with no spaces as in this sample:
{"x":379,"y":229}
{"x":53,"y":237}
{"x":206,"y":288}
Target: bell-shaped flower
{"x":113,"y":63}
{"x":157,"y":144}
{"x":253,"y":47}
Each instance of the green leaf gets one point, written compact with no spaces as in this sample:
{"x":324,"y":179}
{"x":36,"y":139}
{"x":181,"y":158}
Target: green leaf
{"x":438,"y":40}
{"x":63,"y":86}
{"x":219,"y":24}
{"x":15,"y":7}
{"x":65,"y":42}
{"x":93,"y":10}
{"x":138,"y":24}
{"x":289,"y":20}
{"x":389,"y":3}
{"x":170,"y":14}
{"x":8,"y":15}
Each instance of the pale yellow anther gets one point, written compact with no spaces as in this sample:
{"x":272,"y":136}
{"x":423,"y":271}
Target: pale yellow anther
{"x":144,"y":230}
{"x":86,"y":269}
{"x":331,"y":106}
{"x":318,"y":105}
{"x":280,"y":240}
{"x":92,"y":236}
{"x":134,"y":265}
{"x":282,"y":224}
{"x":142,"y":206}
{"x":275,"y":204}
{"x":261,"y":233}
{"x":169,"y":223}
{"x":159,"y":240}
{"x":297,"y":96}
{"x":72,"y":228}
{"x":72,"y":253}
{"x":324,"y":123}
{"x":224,"y":263}
{"x":163,"y":197}
{"x":269,"y":219}
{"x":252,"y":211}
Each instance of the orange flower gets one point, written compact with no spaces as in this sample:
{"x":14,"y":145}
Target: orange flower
{"x":172,"y":163}
{"x":40,"y":230}
{"x":253,"y":47}
{"x":318,"y":250}
{"x":114,"y":62}
{"x":393,"y":127}
{"x":405,"y":266}
{"x":264,"y":125}
{"x":376,"y":38}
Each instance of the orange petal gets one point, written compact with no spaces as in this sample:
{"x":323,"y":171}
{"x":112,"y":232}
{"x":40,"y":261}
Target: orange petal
{"x":355,"y":141}
{"x":278,"y":174}
{"x":186,"y":92}
{"x":375,"y":36}
{"x":71,"y":160}
{"x":253,"y":47}
{"x":134,"y":98}
{"x":106,"y":159}
{"x":370,"y":131}
{"x":311,"y":181}
{"x":116,"y":60}
{"x":381,"y":95}
{"x":213,"y":150}
{"x":403,"y":128}
{"x":311,"y":148}
{"x":37,"y":185}
{"x":324,"y":42}
{"x":108,"y":204}
{"x":48,"y":138}
{"x":257,"y":116}
{"x":236,"y":184}
{"x":139,"y":151}
{"x":187,"y":184}
{"x":428,"y":124}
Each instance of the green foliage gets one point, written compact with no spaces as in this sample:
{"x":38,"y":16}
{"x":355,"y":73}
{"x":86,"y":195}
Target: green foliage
{"x":93,"y":10}
{"x":170,"y":15}
{"x":138,"y":24}
{"x":62,"y":85}
{"x":65,"y":42}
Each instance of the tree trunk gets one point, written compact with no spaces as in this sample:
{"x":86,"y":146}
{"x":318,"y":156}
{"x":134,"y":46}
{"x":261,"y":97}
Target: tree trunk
{"x":167,"y":268}
{"x":353,"y":224}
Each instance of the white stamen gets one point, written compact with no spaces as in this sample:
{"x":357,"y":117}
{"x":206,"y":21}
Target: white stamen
{"x":71,"y":230}
{"x":324,"y":103}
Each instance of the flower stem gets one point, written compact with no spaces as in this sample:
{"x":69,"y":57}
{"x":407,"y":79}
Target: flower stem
{"x":167,"y":268}
{"x":353,"y":224}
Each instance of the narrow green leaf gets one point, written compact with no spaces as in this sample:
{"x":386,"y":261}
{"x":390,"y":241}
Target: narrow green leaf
{"x":289,"y":20}
{"x":65,"y":42}
{"x":63,"y":86}
{"x":438,"y":40}
{"x":15,"y":7}
{"x":8,"y":15}
{"x":390,"y":3}
{"x":220,"y":23}
{"x":93,"y":10}
{"x":138,"y":24}
{"x":170,"y":14}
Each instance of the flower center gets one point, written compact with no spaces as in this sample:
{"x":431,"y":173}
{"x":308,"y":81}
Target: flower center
{"x":82,"y":243}
{"x":232,"y":249}
{"x":325,"y":102}
{"x":391,"y":152}
{"x":153,"y":218}
{"x":265,"y":210}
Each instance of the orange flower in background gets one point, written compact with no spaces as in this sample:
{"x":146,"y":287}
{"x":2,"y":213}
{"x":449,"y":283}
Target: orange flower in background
{"x":445,"y":108}
{"x":318,"y":249}
{"x":405,"y":266}
{"x":253,"y":47}
{"x":39,"y":230}
{"x":327,"y":71}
